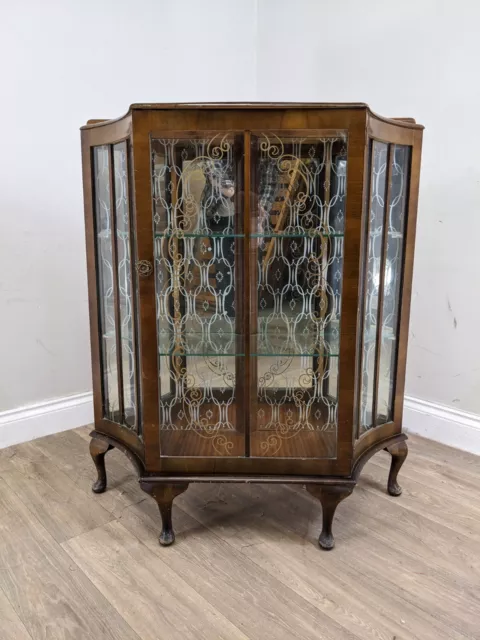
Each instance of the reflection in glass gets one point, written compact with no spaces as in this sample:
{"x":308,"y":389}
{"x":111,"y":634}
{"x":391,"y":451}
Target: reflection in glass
{"x":392,"y":280}
{"x":106,"y":297}
{"x":378,"y":193}
{"x":297,"y":233}
{"x":124,"y":275}
{"x":198,"y":235}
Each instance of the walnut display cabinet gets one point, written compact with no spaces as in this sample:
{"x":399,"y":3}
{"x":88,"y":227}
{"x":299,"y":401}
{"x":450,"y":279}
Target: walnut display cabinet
{"x":250,"y":271}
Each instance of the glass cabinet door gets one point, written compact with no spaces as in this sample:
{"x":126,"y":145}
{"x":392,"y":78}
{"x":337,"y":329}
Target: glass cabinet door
{"x":296,"y":240}
{"x":199,"y":244}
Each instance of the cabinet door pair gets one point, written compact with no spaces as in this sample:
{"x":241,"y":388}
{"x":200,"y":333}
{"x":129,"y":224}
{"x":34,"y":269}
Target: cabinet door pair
{"x":248,"y":238}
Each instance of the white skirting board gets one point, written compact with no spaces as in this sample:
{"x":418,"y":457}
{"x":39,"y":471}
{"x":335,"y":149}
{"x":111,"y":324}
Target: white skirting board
{"x":438,"y":422}
{"x":44,"y":418}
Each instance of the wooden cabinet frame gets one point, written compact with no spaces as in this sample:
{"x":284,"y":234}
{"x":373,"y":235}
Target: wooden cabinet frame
{"x":330,"y":479}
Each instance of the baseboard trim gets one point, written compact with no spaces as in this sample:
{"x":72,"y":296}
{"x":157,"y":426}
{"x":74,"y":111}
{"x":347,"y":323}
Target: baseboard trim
{"x":438,"y":422}
{"x":45,"y":418}
{"x":456,"y":428}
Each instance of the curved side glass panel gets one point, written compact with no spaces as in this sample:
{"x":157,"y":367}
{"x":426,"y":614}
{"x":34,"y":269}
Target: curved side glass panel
{"x":126,"y":295}
{"x":392,"y":280}
{"x":116,"y":297}
{"x":106,"y":298}
{"x":387,"y":210}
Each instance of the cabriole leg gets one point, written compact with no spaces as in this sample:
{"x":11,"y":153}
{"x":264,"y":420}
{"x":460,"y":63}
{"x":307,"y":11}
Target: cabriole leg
{"x":399,"y":453}
{"x":98,"y":449}
{"x":165,"y":494}
{"x":330,"y":497}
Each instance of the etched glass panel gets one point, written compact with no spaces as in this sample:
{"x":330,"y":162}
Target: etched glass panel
{"x":198,"y":406}
{"x":297,"y":238}
{"x":125,"y":285}
{"x":199,"y":242}
{"x":103,"y":230}
{"x":378,"y":193}
{"x":397,"y":207}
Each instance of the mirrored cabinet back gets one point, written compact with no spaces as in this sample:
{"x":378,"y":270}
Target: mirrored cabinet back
{"x":249,"y":272}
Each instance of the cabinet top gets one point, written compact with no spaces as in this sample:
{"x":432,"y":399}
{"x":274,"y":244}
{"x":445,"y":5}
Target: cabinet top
{"x":409,"y":122}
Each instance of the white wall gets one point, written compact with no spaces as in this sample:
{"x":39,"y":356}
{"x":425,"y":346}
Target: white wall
{"x":64,"y":62}
{"x":416,"y":58}
{"x":67,"y":61}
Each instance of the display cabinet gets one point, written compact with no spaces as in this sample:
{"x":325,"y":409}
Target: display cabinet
{"x":249,"y":270}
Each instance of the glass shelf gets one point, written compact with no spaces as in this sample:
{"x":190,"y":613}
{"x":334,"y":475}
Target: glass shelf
{"x":180,"y":235}
{"x":307,"y":343}
{"x":306,"y":234}
{"x":200,"y":344}
{"x":230,"y":344}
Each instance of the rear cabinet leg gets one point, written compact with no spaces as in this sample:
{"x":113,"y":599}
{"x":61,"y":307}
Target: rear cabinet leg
{"x":330,"y":497}
{"x":98,"y":450}
{"x":165,"y":494}
{"x":399,"y":454}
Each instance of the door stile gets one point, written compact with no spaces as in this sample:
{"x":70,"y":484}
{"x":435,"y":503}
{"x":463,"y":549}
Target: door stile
{"x":349,"y":325}
{"x":142,"y":190}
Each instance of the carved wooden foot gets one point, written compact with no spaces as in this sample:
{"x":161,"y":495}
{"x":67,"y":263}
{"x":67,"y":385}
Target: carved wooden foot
{"x":98,"y":449}
{"x":330,"y":497}
{"x":399,"y":453}
{"x":165,"y":494}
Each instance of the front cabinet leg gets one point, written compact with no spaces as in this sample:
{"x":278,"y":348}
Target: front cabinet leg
{"x":165,"y":494}
{"x":399,"y":453}
{"x":330,"y":497}
{"x":99,"y":447}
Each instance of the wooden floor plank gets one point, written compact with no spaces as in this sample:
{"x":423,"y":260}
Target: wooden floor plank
{"x":51,"y":596}
{"x":287,"y":558}
{"x":51,"y":495}
{"x":69,"y":452}
{"x":232,"y":516}
{"x":420,"y":469}
{"x":415,"y":535}
{"x":437,"y":452}
{"x":437,"y":505}
{"x":84,"y":432}
{"x":260,"y":605}
{"x":245,"y":564}
{"x":153,"y":599}
{"x":11,"y":627}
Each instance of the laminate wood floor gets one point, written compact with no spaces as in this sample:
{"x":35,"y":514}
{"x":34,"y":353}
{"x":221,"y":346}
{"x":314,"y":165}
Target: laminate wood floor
{"x":76,"y":566}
